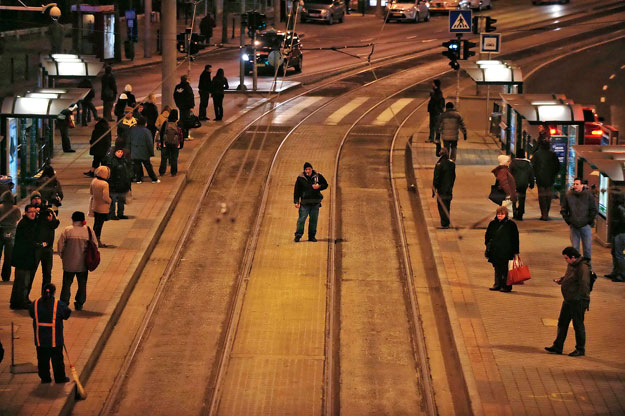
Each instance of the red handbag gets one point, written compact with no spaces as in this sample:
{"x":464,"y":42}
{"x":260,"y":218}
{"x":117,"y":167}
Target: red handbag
{"x":92,"y":257}
{"x":519,"y":272}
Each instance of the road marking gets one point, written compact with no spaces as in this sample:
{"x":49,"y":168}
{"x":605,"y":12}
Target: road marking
{"x":366,"y":40}
{"x":411,"y":37}
{"x":391,"y":111}
{"x":428,"y":40}
{"x":336,"y":117}
{"x":283,"y":117}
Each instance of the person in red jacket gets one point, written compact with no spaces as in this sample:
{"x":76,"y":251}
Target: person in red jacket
{"x":504,"y":178}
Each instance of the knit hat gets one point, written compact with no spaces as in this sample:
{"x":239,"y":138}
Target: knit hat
{"x":307,"y":165}
{"x":128,"y":88}
{"x":129,"y":109}
{"x":78,"y":216}
{"x":503,"y":159}
{"x":34,"y":195}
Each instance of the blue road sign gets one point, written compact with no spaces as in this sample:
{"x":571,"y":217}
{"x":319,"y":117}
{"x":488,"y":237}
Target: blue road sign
{"x":490,"y":43}
{"x":460,"y":21}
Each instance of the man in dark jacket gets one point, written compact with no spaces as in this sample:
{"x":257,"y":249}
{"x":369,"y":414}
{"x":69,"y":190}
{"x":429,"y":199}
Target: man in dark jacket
{"x":100,"y":143}
{"x":62,"y":123}
{"x":47,"y":222}
{"x":185,"y":101}
{"x":119,"y":182}
{"x":24,"y":257}
{"x":618,"y":237}
{"x":546,"y":167}
{"x":436,"y":106}
{"x":521,"y":170}
{"x":206,"y":27}
{"x":443,"y":184}
{"x":86,"y":105}
{"x":205,"y":89}
{"x":576,"y":293}
{"x":108,"y":92}
{"x":307,"y":198}
{"x":141,"y":149}
{"x":449,"y":123}
{"x":578,"y":208}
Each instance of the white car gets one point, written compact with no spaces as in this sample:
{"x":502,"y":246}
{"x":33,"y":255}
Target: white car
{"x":408,"y":10}
{"x":443,"y":6}
{"x":476,"y":4}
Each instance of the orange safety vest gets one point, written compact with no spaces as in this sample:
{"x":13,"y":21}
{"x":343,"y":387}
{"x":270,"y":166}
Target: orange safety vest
{"x":46,"y":324}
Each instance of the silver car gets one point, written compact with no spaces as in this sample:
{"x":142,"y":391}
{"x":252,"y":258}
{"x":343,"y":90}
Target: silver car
{"x":328,"y":11}
{"x":476,"y":4}
{"x":408,"y":11}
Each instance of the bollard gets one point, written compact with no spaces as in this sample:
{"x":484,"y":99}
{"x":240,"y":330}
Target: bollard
{"x":26,"y":69}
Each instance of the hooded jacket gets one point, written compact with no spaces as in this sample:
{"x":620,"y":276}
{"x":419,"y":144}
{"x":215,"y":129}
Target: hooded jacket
{"x":505,"y":180}
{"x":99,"y":190}
{"x":575,"y":284}
{"x":578,"y":208}
{"x":141,"y":144}
{"x":303,"y":191}
{"x":523,"y":173}
{"x":449,"y":124}
{"x":444,"y":176}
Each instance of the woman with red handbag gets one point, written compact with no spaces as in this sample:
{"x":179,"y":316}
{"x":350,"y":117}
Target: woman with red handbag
{"x":502,"y":244}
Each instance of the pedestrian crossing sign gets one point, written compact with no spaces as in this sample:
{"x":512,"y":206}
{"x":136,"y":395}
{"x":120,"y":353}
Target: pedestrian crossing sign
{"x":460,"y":21}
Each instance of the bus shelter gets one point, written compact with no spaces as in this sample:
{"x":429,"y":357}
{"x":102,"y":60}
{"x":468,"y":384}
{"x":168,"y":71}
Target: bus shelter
{"x":27,"y":129}
{"x":67,"y":66}
{"x":522,"y":113}
{"x":603,"y":166}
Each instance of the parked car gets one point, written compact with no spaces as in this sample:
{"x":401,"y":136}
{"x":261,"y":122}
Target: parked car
{"x":593,"y":132}
{"x":328,"y":11}
{"x":408,"y":11}
{"x":476,"y":4}
{"x":273,"y":48}
{"x":444,"y":6}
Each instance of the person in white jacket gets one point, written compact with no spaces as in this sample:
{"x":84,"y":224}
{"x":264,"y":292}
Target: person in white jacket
{"x":72,"y":247}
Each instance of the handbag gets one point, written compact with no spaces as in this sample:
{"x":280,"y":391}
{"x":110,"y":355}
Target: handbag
{"x":497,"y":195}
{"x":519,"y":272}
{"x":92,"y":257}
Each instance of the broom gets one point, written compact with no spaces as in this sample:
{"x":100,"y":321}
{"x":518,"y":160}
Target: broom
{"x":80,"y":390}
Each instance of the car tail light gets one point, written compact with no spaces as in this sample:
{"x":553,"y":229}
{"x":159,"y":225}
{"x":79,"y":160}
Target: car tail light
{"x":553,"y":131}
{"x":596,"y":133}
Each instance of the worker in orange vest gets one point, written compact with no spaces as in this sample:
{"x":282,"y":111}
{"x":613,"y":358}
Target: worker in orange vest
{"x":48,"y":314}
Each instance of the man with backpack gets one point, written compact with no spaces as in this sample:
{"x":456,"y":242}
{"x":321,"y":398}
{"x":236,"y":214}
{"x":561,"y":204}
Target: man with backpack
{"x":170,"y":143}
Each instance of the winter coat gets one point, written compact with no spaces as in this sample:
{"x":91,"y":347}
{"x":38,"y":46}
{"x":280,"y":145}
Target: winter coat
{"x":183,"y":96}
{"x":141,"y":144}
{"x":618,"y":217}
{"x":120,"y":107}
{"x":504,"y":241}
{"x":49,"y":190}
{"x":444,"y":177}
{"x":206,"y":26}
{"x":523,"y":173}
{"x":25,"y":244}
{"x":99,"y":190}
{"x":205,"y":82}
{"x":45,"y":229}
{"x":303,"y":191}
{"x":161,"y":135}
{"x":45,"y":309}
{"x":131,"y":101}
{"x":99,"y":148}
{"x":546,"y":167}
{"x":123,"y":133}
{"x":575,"y":285}
{"x":109,"y":88}
{"x":86,"y":83}
{"x":449,"y":123}
{"x":150,"y":112}
{"x":505,"y":181}
{"x":10,"y":215}
{"x":578,"y":208}
{"x":436,"y":105}
{"x":121,"y":174}
{"x":219,"y":85}
{"x":72,"y":247}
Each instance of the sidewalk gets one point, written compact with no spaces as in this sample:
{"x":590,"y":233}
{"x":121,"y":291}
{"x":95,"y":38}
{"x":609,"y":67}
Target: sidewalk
{"x":130,"y":242}
{"x":504,"y":333}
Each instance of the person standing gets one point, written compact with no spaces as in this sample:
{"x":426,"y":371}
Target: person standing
{"x":450,"y":122}
{"x":72,"y":248}
{"x":9,"y":216}
{"x":131,"y":101}
{"x":443,"y":185}
{"x":100,"y":143}
{"x":502,"y":245}
{"x":100,"y":200}
{"x":436,"y":106}
{"x":141,"y":149}
{"x":123,"y":130}
{"x":205,"y":89}
{"x":121,"y":106}
{"x":63,"y":122}
{"x":618,"y":238}
{"x":86,"y":104}
{"x":170,"y":142}
{"x":108,"y":92}
{"x":150,"y":112}
{"x":219,"y":85}
{"x":48,"y":315}
{"x":575,"y":287}
{"x":185,"y":101}
{"x":546,"y":167}
{"x":523,"y":173}
{"x":119,"y":183}
{"x":578,"y":208}
{"x":23,"y":258}
{"x":504,"y":179}
{"x":307,"y":198}
{"x":206,"y":27}
{"x":47,"y":222}
{"x":50,"y":188}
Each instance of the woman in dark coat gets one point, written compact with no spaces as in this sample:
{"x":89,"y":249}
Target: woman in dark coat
{"x":23,"y":258}
{"x":502,"y":244}
{"x":219,"y":85}
{"x":100,"y":144}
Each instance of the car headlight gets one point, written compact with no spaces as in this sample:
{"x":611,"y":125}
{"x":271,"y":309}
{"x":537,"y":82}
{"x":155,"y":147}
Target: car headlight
{"x":324,"y":11}
{"x":245,"y":57}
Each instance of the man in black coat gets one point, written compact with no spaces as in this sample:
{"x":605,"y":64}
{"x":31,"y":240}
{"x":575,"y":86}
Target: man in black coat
{"x":108,"y":93}
{"x":546,"y":167}
{"x":86,"y":104}
{"x":206,"y":27}
{"x":443,"y":184}
{"x":579,"y":209}
{"x":100,"y":143}
{"x":523,"y":173}
{"x":502,"y":245}
{"x":47,"y":222}
{"x":205,"y":89}
{"x":24,"y":257}
{"x":185,"y":101}
{"x":436,"y":106}
{"x":307,"y":198}
{"x":618,"y":237}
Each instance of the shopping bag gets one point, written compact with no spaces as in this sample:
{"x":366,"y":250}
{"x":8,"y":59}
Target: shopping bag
{"x":518,"y":273}
{"x":497,"y":195}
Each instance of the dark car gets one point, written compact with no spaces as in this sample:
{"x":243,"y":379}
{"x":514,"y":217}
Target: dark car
{"x":273,"y":48}
{"x":327,"y":11}
{"x":593,"y":132}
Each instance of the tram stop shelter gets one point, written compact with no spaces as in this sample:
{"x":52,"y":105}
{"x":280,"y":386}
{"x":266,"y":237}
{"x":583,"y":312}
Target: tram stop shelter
{"x":603,"y":166}
{"x":27,"y":130}
{"x":67,"y":66}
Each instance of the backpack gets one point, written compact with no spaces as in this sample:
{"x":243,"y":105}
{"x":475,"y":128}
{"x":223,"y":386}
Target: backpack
{"x":92,"y":258}
{"x":170,"y":137}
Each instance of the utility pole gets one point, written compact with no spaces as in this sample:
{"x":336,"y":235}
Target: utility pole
{"x":147,"y":25}
{"x":242,"y":86}
{"x":168,"y":39}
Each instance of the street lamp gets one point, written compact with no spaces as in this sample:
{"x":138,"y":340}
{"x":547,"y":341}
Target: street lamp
{"x":51,"y":9}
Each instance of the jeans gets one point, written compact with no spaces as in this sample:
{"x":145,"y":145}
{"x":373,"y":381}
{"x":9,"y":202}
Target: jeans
{"x":545,"y":195}
{"x":98,"y":222}
{"x":54,"y":354}
{"x":169,"y":154}
{"x":139,"y":169}
{"x":618,"y":258}
{"x":444,"y":209}
{"x":305,"y":211}
{"x":501,"y":274}
{"x":572,"y":310}
{"x":204,"y":97}
{"x":585,"y":235}
{"x":218,"y":100}
{"x":81,"y":293}
{"x":87,"y":109}
{"x":434,"y":134}
{"x":19,"y":296}
{"x":118,"y":199}
{"x":45,"y":256}
{"x":7,"y":240}
{"x":451,"y":146}
{"x":518,"y":206}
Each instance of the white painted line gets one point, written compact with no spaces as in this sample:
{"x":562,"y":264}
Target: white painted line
{"x":283,"y":117}
{"x":336,"y":117}
{"x":388,"y":114}
{"x":411,"y":37}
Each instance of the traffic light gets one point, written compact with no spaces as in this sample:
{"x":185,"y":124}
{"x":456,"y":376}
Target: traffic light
{"x":489,"y":24}
{"x":452,"y":51}
{"x":467,"y":45}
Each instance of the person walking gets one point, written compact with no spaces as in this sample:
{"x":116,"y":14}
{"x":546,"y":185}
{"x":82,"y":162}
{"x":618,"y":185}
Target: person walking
{"x":205,"y":89}
{"x":170,"y":142}
{"x":108,"y":92}
{"x":48,"y":315}
{"x":100,"y":201}
{"x":9,"y":216}
{"x":206,"y":27}
{"x":575,"y":288}
{"x":578,"y":208}
{"x":502,"y":245}
{"x":150,"y":112}
{"x":307,"y":198}
{"x":100,"y":143}
{"x":450,"y":122}
{"x":618,"y":237}
{"x":23,"y":258}
{"x":219,"y":85}
{"x":185,"y":101}
{"x":141,"y":149}
{"x":72,"y":248}
{"x":443,"y":185}
{"x":436,"y":106}
{"x":86,"y":104}
{"x":50,"y":188}
{"x":504,"y":179}
{"x":546,"y":167}
{"x":63,"y":122}
{"x":47,"y":222}
{"x":523,"y":174}
{"x":119,"y":182}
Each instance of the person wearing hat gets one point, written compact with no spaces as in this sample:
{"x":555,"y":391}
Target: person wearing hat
{"x":119,"y":182}
{"x":307,"y":198}
{"x":205,"y":89}
{"x":47,"y":222}
{"x":449,"y":123}
{"x":132,"y":101}
{"x":23,"y":258}
{"x":100,"y":200}
{"x":72,"y":248}
{"x":9,"y":216}
{"x":185,"y":101}
{"x":108,"y":92}
{"x":123,"y":130}
{"x":35,"y":200}
{"x":504,"y":179}
{"x":141,"y":150}
{"x":120,"y":106}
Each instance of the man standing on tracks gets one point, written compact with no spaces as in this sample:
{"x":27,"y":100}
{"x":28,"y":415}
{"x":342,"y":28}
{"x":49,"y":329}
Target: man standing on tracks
{"x":307,"y":198}
{"x":449,"y":124}
{"x":443,"y":184}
